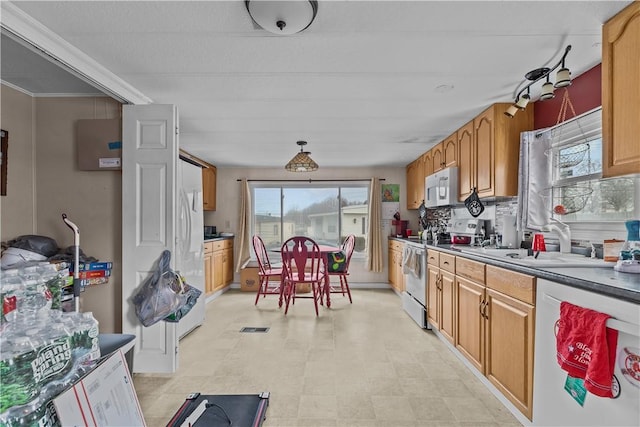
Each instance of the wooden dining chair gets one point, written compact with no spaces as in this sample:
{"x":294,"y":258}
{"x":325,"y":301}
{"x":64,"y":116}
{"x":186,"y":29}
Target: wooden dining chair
{"x":346,"y":250}
{"x":302,"y":263}
{"x":269,"y":276}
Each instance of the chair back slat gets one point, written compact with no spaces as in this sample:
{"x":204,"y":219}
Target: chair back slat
{"x":347,"y":247}
{"x":301,"y":259}
{"x":261,"y":254}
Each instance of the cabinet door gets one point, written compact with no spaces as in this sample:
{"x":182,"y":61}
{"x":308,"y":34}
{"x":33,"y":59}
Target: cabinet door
{"x":484,"y":153}
{"x":433,"y":295}
{"x":418,"y":182}
{"x":392,"y":266}
{"x":509,"y":348}
{"x":470,"y":322}
{"x":399,"y":272}
{"x":466,"y":164}
{"x":427,"y":165}
{"x":227,"y":266}
{"x":450,"y":151}
{"x":209,"y":188}
{"x":412,"y":171}
{"x":218,"y":270}
{"x":447,"y":305}
{"x":620,"y":89}
{"x":208,"y":272}
{"x":437,"y":155}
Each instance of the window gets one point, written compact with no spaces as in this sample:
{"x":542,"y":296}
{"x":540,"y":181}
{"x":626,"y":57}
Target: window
{"x":578,"y":192}
{"x":325,"y":212}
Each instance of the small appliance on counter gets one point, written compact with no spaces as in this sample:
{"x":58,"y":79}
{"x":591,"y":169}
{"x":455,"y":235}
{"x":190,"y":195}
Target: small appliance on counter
{"x":465,"y":231}
{"x":210,"y":232}
{"x":629,"y":260}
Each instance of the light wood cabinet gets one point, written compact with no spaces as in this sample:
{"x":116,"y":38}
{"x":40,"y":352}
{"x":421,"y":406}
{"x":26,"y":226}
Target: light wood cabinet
{"x":489,"y":151}
{"x":427,"y":166}
{"x":441,"y":293}
{"x":209,"y":178}
{"x":396,"y":276}
{"x":620,"y":89}
{"x":415,"y":184}
{"x":495,"y":327}
{"x":445,"y":153}
{"x":208,"y":267}
{"x":218,"y":264}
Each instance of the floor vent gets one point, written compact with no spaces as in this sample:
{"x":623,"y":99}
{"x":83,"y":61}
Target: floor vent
{"x":250,"y":329}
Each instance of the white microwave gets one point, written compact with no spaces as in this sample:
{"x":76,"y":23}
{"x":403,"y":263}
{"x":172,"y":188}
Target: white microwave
{"x":441,"y":188}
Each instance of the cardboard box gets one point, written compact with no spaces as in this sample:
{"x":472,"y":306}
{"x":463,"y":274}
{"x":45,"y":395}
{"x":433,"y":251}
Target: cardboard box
{"x":249,"y":280}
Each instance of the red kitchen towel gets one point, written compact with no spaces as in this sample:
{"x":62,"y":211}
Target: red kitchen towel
{"x":586,"y":348}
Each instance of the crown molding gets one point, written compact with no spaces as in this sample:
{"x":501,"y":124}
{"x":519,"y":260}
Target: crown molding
{"x":41,"y":39}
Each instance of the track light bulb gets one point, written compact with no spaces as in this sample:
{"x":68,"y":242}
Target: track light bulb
{"x":511,"y":111}
{"x":547,"y":91}
{"x":563,"y":77}
{"x":523,"y":101}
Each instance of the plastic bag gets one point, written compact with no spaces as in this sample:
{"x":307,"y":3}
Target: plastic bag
{"x":42,"y":245}
{"x":161,"y":294}
{"x":191,"y":295}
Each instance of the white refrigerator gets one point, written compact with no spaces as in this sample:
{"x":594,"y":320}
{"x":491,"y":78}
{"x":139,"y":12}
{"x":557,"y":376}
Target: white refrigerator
{"x":189,"y":253}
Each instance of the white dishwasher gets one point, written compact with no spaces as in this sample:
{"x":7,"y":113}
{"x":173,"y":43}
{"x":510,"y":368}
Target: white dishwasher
{"x":414,"y":298}
{"x":553,"y":405}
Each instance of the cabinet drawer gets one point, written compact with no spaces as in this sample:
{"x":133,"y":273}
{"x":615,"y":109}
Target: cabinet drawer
{"x":448,"y":262}
{"x":473,"y":270}
{"x":227,"y":243}
{"x":433,"y":257}
{"x":218,"y":245}
{"x":208,"y":247}
{"x":516,"y":285}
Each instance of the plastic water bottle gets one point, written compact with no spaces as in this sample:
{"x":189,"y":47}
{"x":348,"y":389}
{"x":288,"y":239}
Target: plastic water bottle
{"x":11,"y":287}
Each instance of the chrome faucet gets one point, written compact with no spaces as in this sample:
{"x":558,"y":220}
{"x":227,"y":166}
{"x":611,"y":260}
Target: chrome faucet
{"x":563,"y":232}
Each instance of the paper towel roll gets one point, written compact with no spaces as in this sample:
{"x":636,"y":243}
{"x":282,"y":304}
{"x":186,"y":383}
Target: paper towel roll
{"x":509,"y":232}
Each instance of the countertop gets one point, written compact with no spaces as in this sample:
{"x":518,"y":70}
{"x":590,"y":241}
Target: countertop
{"x":213,"y":239}
{"x":605,"y":281}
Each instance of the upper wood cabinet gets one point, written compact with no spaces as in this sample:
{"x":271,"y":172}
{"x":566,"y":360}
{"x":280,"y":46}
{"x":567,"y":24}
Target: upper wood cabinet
{"x":445,"y":154}
{"x":209,"y":176}
{"x":489,"y":151}
{"x":415,"y":183}
{"x":427,"y":164}
{"x":620,"y":90}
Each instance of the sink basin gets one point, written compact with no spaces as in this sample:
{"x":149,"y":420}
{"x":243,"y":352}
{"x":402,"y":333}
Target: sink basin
{"x":544,"y":259}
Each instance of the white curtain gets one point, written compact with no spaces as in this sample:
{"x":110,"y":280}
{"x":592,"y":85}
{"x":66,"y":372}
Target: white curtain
{"x":244,"y":252}
{"x":374,"y":233}
{"x":535,"y":175}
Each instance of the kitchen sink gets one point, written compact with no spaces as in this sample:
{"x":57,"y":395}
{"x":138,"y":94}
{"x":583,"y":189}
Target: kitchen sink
{"x":544,"y":259}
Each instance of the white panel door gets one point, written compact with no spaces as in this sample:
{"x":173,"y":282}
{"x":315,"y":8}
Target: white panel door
{"x":149,"y":164}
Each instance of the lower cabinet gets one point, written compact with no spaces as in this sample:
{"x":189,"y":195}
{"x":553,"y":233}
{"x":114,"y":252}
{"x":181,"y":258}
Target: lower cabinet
{"x":208,"y":267}
{"x":441,"y":293}
{"x":218,"y":264}
{"x":396,"y":275}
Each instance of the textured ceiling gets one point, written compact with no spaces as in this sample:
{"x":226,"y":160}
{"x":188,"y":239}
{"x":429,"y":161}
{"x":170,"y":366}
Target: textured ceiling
{"x":365,"y":84}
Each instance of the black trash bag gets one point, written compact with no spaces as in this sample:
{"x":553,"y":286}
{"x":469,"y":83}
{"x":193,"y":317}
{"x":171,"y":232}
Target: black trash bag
{"x":161,"y":294}
{"x":473,"y":204}
{"x":43,"y":245}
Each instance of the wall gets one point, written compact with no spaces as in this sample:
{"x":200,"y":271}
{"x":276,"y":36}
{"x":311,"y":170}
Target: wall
{"x":91,"y":199}
{"x":585,"y":94}
{"x":225,"y":218}
{"x":17,"y":208}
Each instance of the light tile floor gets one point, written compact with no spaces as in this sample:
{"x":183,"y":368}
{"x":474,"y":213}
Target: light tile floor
{"x":360,"y":364}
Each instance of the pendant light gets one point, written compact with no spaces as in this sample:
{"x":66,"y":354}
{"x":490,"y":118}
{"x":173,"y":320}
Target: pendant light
{"x":301,"y":162}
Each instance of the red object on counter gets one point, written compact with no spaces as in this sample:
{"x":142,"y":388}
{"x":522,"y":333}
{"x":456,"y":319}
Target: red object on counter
{"x":401,"y":227}
{"x":461,"y":240}
{"x":538,"y":243}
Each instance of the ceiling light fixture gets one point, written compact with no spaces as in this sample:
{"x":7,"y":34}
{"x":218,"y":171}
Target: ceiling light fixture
{"x":563,"y":79}
{"x":301,"y":162}
{"x":282,"y":17}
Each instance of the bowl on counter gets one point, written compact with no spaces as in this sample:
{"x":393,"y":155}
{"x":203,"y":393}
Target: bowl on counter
{"x":460,"y":240}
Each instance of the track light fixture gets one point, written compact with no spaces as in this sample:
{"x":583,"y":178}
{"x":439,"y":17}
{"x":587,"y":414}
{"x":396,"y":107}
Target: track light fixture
{"x":563,"y":79}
